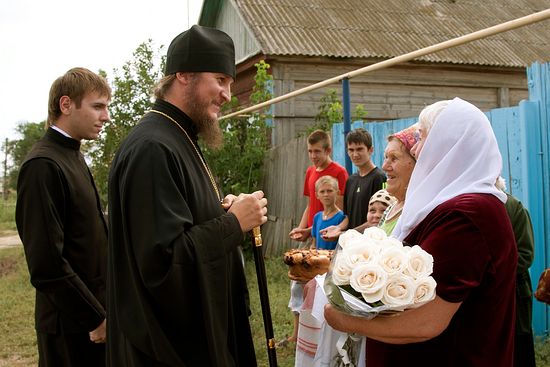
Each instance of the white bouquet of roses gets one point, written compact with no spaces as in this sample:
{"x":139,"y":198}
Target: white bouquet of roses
{"x":372,"y":273}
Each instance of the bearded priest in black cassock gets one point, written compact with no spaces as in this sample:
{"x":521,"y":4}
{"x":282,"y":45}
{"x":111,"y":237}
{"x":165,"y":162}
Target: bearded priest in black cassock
{"x":177,"y":293}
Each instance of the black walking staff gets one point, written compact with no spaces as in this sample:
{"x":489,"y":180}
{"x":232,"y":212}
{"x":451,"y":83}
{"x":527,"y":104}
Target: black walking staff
{"x":264,"y":296}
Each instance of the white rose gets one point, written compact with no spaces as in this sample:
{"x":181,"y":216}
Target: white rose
{"x":375,"y":233}
{"x":393,"y":260}
{"x":392,"y":241}
{"x":341,"y":272}
{"x":359,"y":251}
{"x":355,"y":242}
{"x":346,"y":236}
{"x":425,"y":290}
{"x":420,"y":263}
{"x":369,"y":280}
{"x":399,"y":291}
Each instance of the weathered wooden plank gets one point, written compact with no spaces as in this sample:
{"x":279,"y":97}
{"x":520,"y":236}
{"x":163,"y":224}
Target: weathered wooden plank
{"x":515,"y":182}
{"x":392,"y":93}
{"x":505,"y":123}
{"x":435,"y":75}
{"x":285,"y":168}
{"x":516,"y":96}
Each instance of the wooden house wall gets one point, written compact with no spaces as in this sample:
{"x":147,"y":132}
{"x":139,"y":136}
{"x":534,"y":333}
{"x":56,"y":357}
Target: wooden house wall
{"x":285,"y":167}
{"x":392,"y":93}
{"x":231,"y":22}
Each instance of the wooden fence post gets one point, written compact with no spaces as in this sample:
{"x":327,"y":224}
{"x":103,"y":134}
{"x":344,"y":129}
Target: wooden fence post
{"x":534,"y":117}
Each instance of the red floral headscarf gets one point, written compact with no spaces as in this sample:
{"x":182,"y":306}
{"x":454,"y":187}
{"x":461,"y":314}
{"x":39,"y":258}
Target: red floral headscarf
{"x":409,"y":136}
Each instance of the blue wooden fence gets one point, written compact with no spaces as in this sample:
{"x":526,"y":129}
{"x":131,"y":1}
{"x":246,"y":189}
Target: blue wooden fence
{"x":522,"y":133}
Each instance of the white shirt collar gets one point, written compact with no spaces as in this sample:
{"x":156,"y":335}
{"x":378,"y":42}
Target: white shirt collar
{"x":60,"y":131}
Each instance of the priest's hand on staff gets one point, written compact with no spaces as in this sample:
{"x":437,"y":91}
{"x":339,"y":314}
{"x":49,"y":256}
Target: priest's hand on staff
{"x":250,"y":209}
{"x":228,"y":201}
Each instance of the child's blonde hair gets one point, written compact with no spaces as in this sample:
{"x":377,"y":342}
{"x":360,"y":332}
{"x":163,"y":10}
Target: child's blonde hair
{"x":326,"y":179}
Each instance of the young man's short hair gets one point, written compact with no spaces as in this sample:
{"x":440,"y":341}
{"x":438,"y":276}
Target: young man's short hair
{"x":324,"y":180}
{"x":359,"y":136}
{"x":75,"y":84}
{"x":319,"y":136}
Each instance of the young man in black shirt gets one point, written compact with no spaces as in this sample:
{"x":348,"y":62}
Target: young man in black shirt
{"x":361,"y":185}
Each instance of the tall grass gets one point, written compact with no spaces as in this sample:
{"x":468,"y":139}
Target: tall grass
{"x":542,"y":351}
{"x":17,"y":336}
{"x":279,"y":294}
{"x":7,"y":215}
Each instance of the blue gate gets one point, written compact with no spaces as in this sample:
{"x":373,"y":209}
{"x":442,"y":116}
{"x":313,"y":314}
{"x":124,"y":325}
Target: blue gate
{"x":522,"y":133}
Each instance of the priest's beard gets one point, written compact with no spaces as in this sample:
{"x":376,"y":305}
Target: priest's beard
{"x":208,"y":128}
{"x":210,"y":132}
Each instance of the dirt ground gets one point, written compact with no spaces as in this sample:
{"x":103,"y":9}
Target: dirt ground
{"x":10,"y":240}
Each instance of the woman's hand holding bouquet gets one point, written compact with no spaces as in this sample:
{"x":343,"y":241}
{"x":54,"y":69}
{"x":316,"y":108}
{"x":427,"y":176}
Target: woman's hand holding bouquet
{"x":372,"y":273}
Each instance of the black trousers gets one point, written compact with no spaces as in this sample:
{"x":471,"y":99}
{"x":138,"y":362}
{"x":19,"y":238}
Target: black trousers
{"x":69,"y":350}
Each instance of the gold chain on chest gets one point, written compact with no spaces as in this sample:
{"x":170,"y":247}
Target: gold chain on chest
{"x":212,"y":181}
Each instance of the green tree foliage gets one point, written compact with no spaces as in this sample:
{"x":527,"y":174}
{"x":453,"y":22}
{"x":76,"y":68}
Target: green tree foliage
{"x":331,"y":111}
{"x":132,"y":97}
{"x":359,"y":113}
{"x":238,"y":165}
{"x":18,"y":149}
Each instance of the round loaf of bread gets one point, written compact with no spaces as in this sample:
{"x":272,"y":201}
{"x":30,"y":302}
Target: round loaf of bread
{"x":305,"y":264}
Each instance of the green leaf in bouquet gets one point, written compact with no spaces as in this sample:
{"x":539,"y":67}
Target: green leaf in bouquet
{"x":376,"y":304}
{"x":348,"y":288}
{"x":334,"y":295}
{"x":332,"y":292}
{"x":351,"y":348}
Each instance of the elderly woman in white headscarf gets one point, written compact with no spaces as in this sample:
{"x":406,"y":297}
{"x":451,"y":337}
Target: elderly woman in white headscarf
{"x":453,"y":211}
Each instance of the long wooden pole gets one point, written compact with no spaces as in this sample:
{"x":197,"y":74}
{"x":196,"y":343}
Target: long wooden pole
{"x":491,"y":31}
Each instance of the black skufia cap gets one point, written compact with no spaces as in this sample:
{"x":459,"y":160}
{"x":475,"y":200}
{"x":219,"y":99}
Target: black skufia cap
{"x":201,"y":49}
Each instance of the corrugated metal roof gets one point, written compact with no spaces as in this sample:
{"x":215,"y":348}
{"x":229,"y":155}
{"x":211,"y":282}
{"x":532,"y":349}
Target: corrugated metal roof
{"x":388,"y":28}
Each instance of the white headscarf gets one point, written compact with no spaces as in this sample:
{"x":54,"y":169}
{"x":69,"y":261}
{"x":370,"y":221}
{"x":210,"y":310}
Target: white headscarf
{"x":460,"y":155}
